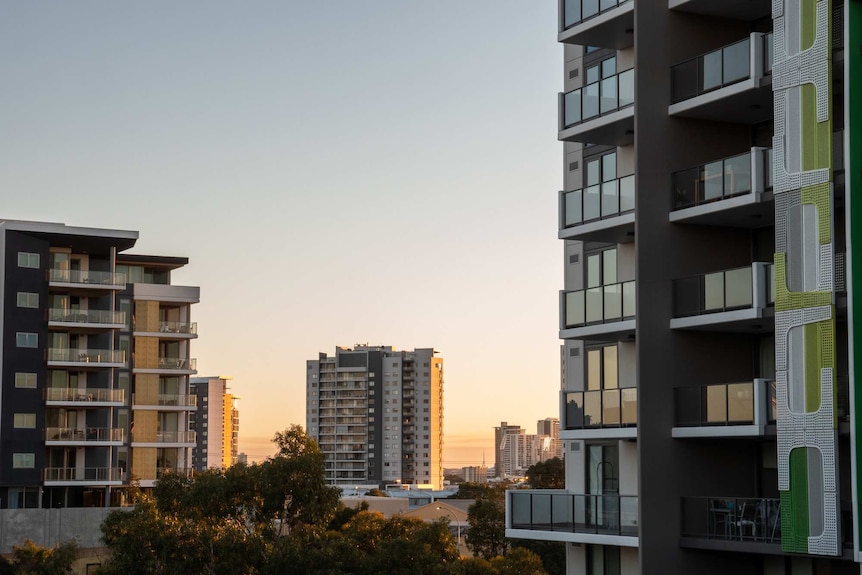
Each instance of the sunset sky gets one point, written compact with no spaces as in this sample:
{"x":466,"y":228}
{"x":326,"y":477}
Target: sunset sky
{"x":339,"y":172}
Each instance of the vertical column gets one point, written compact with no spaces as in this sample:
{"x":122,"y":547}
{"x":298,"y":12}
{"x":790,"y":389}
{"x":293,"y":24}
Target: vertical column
{"x":804,"y":300}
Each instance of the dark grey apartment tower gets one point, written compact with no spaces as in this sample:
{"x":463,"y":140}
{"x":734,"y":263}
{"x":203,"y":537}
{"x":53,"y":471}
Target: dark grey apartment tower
{"x":94,"y":366}
{"x":709,"y":411}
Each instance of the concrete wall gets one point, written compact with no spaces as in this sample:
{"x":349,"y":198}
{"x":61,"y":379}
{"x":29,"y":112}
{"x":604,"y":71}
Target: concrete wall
{"x":48,"y":527}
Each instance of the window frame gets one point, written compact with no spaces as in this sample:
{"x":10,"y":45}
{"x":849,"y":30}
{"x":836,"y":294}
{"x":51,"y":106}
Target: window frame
{"x":27,"y":259}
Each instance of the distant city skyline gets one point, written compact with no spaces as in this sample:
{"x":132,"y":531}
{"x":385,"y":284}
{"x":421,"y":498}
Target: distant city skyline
{"x":335,"y":172}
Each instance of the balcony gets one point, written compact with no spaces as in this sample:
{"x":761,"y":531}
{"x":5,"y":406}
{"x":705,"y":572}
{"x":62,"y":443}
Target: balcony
{"x":67,"y":476}
{"x":83,"y":436}
{"x":166,"y":439}
{"x":600,"y":113}
{"x":186,"y":472}
{"x":557,"y":515}
{"x":725,"y":410}
{"x":604,"y":313}
{"x":85,"y":280}
{"x":603,"y":23}
{"x":82,"y":398}
{"x":171,"y":330}
{"x":87,"y":319}
{"x":747,"y":10}
{"x":600,"y":413}
{"x":171,"y":365}
{"x":732,"y":192}
{"x":742,"y":524}
{"x":600,"y":213}
{"x":165,"y":402}
{"x":731,"y":84}
{"x":737,"y":300}
{"x":86,"y":358}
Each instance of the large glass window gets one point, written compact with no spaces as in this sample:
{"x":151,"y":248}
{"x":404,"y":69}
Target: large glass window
{"x":602,"y":268}
{"x":603,"y":560}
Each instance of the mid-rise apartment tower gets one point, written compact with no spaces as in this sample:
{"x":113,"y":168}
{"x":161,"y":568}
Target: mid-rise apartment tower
{"x":377,"y":414}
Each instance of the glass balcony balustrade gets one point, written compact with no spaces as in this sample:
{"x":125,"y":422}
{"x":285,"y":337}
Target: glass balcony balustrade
{"x":723,"y":404}
{"x":95,"y":316}
{"x":85,"y":395}
{"x":711,"y":71}
{"x":720,"y":179}
{"x":605,"y":200}
{"x":84,"y":434}
{"x":85,"y":277}
{"x":558,"y":511}
{"x":577,"y":11}
{"x":64,"y":355}
{"x":601,"y":408}
{"x":720,"y":291}
{"x":599,"y":98}
{"x":178,"y":363}
{"x":603,"y":304}
{"x":83,"y":474}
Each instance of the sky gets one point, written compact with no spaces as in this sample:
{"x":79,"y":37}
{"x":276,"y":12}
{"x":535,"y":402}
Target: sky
{"x":339,"y":172}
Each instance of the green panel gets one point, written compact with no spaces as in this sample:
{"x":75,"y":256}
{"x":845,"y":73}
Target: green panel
{"x":787,"y":300}
{"x":816,"y":136}
{"x":819,"y":196}
{"x":812,"y":367}
{"x":794,"y":505}
{"x":809,"y":23}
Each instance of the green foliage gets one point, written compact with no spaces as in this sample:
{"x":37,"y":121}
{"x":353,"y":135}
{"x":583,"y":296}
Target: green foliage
{"x":487,"y":534}
{"x":550,"y":474}
{"x":552,"y":553}
{"x":376,"y":493}
{"x":32,"y":559}
{"x":519,"y":561}
{"x":481,"y":491}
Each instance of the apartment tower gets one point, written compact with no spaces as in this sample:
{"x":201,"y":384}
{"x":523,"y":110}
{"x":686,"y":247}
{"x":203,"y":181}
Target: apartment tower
{"x":377,"y":414}
{"x":709,"y":410}
{"x":95,"y":365}
{"x":216,"y":423}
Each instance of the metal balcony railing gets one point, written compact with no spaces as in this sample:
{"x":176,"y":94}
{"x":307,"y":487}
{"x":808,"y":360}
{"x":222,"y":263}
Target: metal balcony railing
{"x":722,"y":179}
{"x":711,"y":71}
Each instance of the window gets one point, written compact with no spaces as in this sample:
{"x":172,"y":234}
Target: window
{"x":25,"y":421}
{"x":601,"y":268}
{"x":23,"y":460}
{"x":28,"y":260}
{"x":26,"y":299}
{"x":25,"y":380}
{"x":24,"y":339}
{"x":602,"y":368}
{"x":603,"y":560}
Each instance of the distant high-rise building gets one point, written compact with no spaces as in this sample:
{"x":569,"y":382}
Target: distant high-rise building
{"x":377,"y":414}
{"x":83,"y":325}
{"x":549,"y":430}
{"x":242,"y":458}
{"x":216,"y":422}
{"x":500,"y":433}
{"x":475,"y":474}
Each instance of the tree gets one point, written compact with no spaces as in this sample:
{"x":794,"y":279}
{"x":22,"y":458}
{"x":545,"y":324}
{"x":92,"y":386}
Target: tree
{"x":32,"y":559}
{"x":487,"y":534}
{"x":519,"y":561}
{"x":552,"y":553}
{"x":550,"y":474}
{"x":376,"y":492}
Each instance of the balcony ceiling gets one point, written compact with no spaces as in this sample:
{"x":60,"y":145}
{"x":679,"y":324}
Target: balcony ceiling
{"x":738,"y":104}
